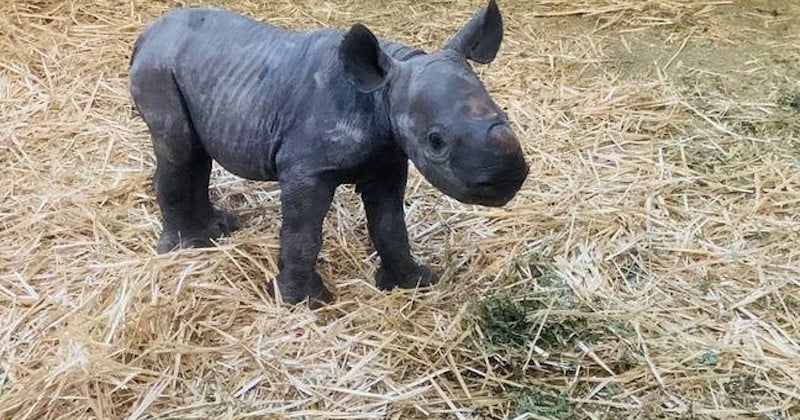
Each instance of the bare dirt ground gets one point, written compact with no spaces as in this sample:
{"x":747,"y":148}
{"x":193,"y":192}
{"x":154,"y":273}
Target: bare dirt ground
{"x":649,"y":268}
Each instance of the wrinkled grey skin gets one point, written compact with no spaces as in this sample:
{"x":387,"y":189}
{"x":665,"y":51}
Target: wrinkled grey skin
{"x":313,"y":110}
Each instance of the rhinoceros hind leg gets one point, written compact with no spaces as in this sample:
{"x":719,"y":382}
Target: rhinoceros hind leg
{"x":183,"y":166}
{"x":226,"y":221}
{"x":189,"y":219}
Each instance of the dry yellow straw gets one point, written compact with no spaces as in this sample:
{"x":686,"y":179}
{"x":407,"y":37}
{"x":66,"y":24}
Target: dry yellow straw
{"x":648,"y":268}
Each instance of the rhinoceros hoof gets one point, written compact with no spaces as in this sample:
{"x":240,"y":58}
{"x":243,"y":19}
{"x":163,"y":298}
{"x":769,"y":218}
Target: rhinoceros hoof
{"x":222,"y":223}
{"x":419,"y":276}
{"x":294,"y":291}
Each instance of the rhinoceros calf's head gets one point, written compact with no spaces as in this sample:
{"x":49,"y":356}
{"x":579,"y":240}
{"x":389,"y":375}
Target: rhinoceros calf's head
{"x":441,"y":113}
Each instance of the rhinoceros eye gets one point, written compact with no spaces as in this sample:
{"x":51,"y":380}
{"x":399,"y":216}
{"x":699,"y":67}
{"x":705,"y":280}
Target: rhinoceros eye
{"x":437,"y":141}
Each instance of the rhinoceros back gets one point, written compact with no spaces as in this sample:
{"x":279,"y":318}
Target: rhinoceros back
{"x":245,"y":84}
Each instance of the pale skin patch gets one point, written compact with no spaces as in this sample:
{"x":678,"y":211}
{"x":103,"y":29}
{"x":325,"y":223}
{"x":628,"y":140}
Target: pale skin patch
{"x":405,"y":124}
{"x":318,"y":79}
{"x":476,"y":108}
{"x":346,"y":131}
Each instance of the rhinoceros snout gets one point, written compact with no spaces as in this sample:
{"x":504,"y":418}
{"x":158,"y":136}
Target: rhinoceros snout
{"x":494,"y":169}
{"x":505,"y":166}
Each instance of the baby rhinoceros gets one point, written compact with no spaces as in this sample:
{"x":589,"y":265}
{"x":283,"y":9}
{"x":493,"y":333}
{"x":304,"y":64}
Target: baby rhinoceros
{"x":314,"y":110}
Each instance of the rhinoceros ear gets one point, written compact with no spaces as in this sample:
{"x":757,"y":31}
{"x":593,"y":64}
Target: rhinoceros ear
{"x":479,"y":40}
{"x":365,"y":64}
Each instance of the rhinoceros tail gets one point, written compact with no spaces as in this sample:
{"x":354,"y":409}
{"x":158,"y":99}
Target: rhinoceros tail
{"x":136,"y":45}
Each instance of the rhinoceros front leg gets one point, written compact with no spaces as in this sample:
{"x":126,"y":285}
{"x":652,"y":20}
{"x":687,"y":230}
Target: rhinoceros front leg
{"x":383,"y":203}
{"x":305,"y":203}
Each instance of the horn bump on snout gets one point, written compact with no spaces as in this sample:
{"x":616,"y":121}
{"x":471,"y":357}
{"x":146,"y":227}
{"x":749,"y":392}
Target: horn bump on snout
{"x":503,"y":140}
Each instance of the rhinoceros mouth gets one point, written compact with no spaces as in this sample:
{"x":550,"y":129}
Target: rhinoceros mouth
{"x":490,"y":193}
{"x":488,"y":202}
{"x":487,"y":195}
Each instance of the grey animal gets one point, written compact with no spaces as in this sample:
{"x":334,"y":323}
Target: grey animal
{"x":314,"y":110}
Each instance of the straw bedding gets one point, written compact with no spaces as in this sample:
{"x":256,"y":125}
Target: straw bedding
{"x":649,"y":267}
